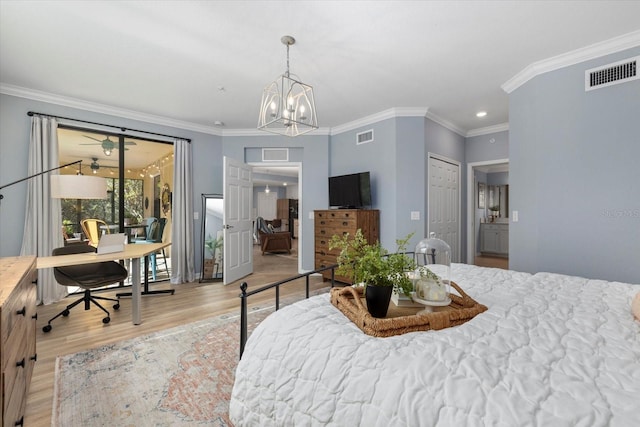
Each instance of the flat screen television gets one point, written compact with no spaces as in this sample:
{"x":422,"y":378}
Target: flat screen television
{"x":350,"y":191}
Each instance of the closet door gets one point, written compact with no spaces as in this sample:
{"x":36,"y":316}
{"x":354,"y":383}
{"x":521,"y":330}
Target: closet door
{"x":444,"y":203}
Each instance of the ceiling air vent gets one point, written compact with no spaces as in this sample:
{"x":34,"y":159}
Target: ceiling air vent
{"x":364,"y":137}
{"x":275,"y":154}
{"x":611,"y":74}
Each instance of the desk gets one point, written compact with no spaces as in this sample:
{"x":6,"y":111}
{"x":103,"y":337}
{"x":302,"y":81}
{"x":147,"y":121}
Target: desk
{"x":133,"y":252}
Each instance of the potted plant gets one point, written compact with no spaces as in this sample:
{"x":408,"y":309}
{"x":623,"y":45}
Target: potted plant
{"x":372,"y":265}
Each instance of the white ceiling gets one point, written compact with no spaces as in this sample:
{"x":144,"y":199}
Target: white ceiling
{"x":170,"y":59}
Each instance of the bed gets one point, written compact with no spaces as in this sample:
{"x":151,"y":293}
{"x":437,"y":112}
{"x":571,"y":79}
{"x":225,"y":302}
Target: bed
{"x":551,"y":350}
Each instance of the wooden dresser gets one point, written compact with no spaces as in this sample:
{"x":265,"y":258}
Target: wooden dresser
{"x":341,"y":221}
{"x":18,"y":316}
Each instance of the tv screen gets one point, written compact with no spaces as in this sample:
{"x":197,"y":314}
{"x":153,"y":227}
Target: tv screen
{"x":350,"y":191}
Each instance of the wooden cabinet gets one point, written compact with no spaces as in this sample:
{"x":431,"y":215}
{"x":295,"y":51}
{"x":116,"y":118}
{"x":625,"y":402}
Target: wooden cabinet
{"x":341,"y":221}
{"x":17,"y":334}
{"x":494,"y":239}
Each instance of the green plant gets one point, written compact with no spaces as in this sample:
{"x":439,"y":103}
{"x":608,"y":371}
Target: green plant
{"x":212,"y":244}
{"x":372,"y":264}
{"x":68,"y":227}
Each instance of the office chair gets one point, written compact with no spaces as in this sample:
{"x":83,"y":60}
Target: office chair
{"x":91,"y":228}
{"x":87,"y":277}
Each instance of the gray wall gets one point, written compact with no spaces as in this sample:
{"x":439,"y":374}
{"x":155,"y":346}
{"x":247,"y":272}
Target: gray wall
{"x":397,"y":160}
{"x":480,"y":148}
{"x":574,"y":175}
{"x":15,"y":128}
{"x":379,"y":158}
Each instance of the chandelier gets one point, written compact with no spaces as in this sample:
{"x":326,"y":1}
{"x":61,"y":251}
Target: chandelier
{"x":288,"y":107}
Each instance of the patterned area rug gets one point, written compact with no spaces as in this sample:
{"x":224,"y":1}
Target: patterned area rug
{"x":179,"y":376}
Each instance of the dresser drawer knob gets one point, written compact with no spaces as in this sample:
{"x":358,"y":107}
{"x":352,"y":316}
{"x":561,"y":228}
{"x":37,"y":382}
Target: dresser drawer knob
{"x":345,"y":223}
{"x":20,"y":364}
{"x":20,"y":422}
{"x":23,"y":311}
{"x":34,"y":357}
{"x":35,"y":316}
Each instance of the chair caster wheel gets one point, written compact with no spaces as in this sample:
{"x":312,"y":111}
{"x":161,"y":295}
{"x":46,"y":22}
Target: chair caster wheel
{"x":46,"y":329}
{"x":106,"y":320}
{"x":116,"y":306}
{"x":65,"y":313}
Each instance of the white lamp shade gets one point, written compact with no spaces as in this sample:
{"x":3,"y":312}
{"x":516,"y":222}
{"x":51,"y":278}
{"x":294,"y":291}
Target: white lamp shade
{"x":78,"y":187}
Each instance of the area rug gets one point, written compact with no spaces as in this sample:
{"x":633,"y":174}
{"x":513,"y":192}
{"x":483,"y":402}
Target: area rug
{"x":179,"y":376}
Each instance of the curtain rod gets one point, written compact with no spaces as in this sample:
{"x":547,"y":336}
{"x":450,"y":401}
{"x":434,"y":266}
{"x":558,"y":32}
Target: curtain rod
{"x":123,"y":129}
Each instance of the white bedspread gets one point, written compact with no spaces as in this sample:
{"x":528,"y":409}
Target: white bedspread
{"x":551,"y":350}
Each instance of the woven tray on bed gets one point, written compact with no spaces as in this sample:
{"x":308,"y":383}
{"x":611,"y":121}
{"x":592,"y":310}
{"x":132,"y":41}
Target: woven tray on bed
{"x":400,"y":320}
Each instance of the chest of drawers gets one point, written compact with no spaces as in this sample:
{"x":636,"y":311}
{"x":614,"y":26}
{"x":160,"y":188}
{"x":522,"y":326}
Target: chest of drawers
{"x":17,"y":335}
{"x":341,"y":221}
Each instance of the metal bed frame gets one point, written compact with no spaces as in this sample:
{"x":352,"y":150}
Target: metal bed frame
{"x":244,"y":295}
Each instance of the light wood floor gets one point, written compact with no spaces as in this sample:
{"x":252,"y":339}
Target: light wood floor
{"x":193,"y":301}
{"x":492,"y":261}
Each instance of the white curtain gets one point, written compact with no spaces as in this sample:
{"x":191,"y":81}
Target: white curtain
{"x":182,"y":251}
{"x":43,"y":219}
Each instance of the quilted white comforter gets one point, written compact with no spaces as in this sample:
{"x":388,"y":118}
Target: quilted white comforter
{"x":551,"y":350}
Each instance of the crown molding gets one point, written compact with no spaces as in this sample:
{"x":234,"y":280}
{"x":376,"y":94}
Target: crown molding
{"x":593,"y":51}
{"x":488,"y":130}
{"x":378,"y":117}
{"x":66,"y":101}
{"x":447,"y":124}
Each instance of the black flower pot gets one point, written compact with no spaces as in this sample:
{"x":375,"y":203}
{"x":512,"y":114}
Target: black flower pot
{"x":378,"y":298}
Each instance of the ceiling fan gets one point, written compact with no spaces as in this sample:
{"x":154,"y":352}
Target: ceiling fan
{"x":107,"y":144}
{"x":94,"y":165}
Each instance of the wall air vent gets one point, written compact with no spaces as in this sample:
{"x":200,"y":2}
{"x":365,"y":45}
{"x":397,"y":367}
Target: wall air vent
{"x":364,"y":137}
{"x":611,"y":74}
{"x":275,"y":154}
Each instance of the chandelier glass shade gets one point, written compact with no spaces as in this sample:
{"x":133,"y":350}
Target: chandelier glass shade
{"x":288,"y":106}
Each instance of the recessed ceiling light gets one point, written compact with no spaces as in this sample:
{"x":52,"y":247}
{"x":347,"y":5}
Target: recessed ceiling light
{"x":481,"y":113}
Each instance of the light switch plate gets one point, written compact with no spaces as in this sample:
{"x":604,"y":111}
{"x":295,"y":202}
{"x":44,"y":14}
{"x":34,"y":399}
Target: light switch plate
{"x":415,"y":215}
{"x":310,"y":215}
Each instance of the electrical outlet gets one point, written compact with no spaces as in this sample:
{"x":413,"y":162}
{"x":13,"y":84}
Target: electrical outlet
{"x":415,"y":215}
{"x":514,"y":216}
{"x":196,"y":215}
{"x":310,"y":215}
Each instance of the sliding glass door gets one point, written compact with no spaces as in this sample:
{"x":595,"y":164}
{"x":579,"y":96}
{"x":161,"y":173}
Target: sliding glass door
{"x":139,"y":174}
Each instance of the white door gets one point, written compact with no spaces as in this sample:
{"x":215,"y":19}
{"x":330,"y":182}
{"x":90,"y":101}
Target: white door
{"x":238,"y":226}
{"x":444,"y":203}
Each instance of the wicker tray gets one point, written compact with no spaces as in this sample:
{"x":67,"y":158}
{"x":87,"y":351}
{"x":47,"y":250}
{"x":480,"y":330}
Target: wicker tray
{"x":401,"y":320}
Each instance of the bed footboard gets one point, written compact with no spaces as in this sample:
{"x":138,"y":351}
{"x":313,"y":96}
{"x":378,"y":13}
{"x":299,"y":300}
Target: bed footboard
{"x":244,"y":295}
